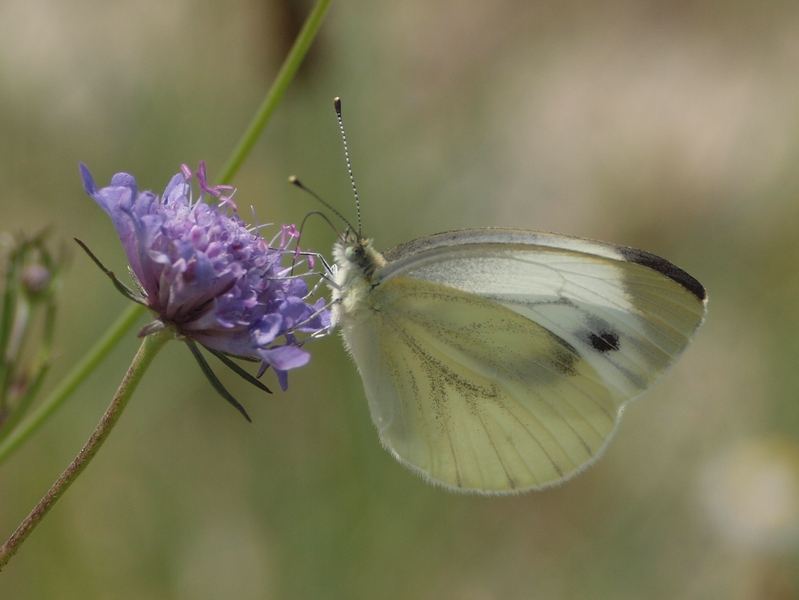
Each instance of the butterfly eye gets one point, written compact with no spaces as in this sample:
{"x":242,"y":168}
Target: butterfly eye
{"x":350,"y":253}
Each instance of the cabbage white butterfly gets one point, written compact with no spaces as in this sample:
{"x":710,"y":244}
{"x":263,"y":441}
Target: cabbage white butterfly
{"x":500,"y":360}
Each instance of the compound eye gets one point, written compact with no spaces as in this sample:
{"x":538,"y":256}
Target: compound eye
{"x":349,"y":253}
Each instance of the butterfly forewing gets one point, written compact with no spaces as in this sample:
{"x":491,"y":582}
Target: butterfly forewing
{"x":630,"y":320}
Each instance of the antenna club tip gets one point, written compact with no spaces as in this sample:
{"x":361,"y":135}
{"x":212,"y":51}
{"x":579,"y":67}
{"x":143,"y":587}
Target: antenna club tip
{"x":337,"y":104}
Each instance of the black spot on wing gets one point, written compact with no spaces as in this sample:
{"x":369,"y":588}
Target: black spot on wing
{"x":604,"y":341}
{"x":661,"y":265}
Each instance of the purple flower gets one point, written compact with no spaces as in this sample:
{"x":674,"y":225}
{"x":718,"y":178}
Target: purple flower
{"x":208,"y":276}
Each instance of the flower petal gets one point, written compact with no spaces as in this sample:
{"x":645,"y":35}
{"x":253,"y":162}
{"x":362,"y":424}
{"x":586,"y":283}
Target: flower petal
{"x":285,"y":357}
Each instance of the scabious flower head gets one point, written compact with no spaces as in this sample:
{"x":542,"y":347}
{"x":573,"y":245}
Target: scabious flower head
{"x":207,"y":275}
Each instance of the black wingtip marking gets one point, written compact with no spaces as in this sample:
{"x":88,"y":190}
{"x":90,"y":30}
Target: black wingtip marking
{"x":661,"y":265}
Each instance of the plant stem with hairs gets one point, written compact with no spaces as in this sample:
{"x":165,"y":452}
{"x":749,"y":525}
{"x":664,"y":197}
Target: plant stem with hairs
{"x":144,"y":357}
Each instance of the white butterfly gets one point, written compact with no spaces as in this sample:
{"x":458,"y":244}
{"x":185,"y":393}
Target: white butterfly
{"x":500,"y":360}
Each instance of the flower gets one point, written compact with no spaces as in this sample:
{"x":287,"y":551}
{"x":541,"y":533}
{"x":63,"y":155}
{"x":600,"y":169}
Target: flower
{"x":208,"y":276}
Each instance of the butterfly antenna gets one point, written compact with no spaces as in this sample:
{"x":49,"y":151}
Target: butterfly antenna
{"x":293,"y":180}
{"x":316,"y":213}
{"x":337,"y":105}
{"x":297,"y":252}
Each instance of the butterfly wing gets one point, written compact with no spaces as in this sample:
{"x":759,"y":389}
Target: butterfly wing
{"x":500,"y":360}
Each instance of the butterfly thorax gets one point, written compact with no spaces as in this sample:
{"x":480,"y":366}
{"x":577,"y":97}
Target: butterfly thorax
{"x":356,"y":263}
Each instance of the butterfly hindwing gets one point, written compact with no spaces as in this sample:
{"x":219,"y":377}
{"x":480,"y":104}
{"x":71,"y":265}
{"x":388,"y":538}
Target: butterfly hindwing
{"x":475,"y":395}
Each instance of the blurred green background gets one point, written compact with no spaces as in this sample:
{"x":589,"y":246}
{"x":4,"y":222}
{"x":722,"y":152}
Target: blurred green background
{"x":669,"y":126}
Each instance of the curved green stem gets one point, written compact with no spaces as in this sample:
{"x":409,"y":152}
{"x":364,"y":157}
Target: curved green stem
{"x":144,"y":357}
{"x":284,"y":77}
{"x":78,"y":373}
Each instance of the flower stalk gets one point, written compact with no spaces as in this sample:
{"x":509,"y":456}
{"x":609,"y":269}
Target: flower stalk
{"x":74,"y":378}
{"x":284,"y":77}
{"x":144,"y":357}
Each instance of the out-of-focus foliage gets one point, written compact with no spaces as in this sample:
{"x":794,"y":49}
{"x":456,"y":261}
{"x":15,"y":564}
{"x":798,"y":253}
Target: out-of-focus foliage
{"x":30,"y":276}
{"x":667,"y":126}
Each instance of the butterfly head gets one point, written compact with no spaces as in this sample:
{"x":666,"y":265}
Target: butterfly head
{"x":355,"y":254}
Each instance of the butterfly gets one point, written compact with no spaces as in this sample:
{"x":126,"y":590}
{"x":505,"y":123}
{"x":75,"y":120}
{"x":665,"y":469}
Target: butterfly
{"x":500,"y":360}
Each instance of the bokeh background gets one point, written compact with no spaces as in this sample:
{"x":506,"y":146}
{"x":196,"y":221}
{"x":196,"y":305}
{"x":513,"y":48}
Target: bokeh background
{"x":669,"y":126}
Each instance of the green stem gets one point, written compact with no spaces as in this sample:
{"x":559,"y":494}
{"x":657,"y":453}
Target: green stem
{"x":149,"y":348}
{"x":284,"y":77}
{"x":78,"y":373}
